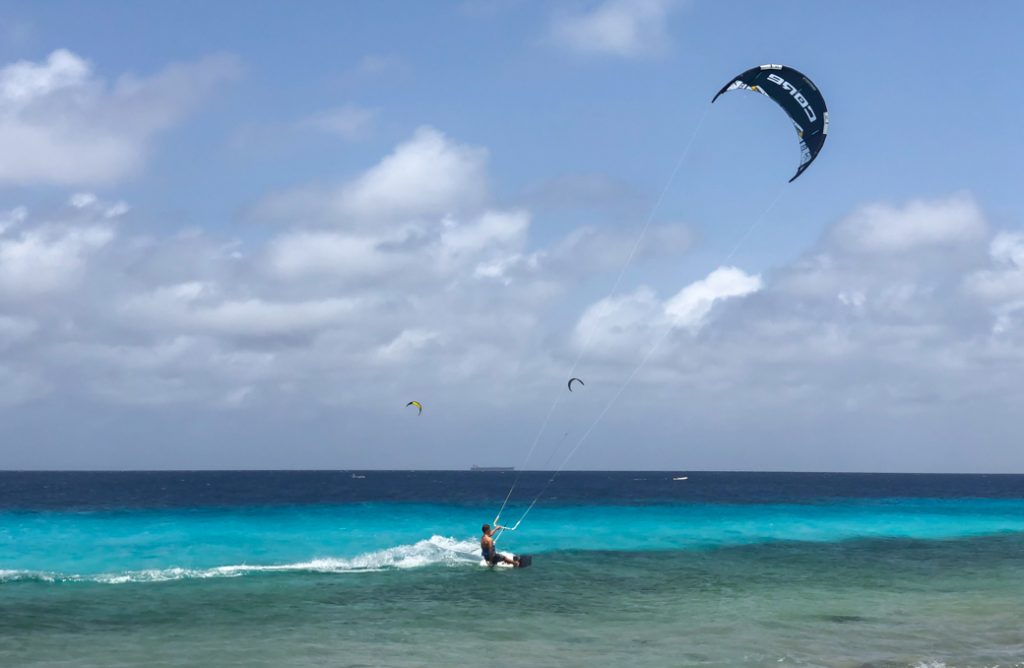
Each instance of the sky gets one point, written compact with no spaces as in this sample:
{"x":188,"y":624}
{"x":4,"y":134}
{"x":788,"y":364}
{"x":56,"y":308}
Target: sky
{"x":244,"y":235}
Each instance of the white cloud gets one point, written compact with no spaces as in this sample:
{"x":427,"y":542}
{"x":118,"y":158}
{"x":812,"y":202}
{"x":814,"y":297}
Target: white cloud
{"x":198,"y":307}
{"x":1005,"y":281}
{"x":169,"y":368}
{"x":82,"y":200}
{"x":586,"y":250}
{"x":62,"y":124}
{"x":1008,"y":248}
{"x":48,"y":258}
{"x":428,"y":175}
{"x":418,"y":215}
{"x":300,"y":254}
{"x":425,"y":177}
{"x":493,"y":232}
{"x":837,"y":330}
{"x":344,"y":319}
{"x":404,"y":345}
{"x":623,"y":28}
{"x":692,"y":304}
{"x":854,"y":299}
{"x":632,"y":324}
{"x":881,"y":228}
{"x":441,"y":249}
{"x":23,"y":82}
{"x":116,"y":210}
{"x":619,"y":326}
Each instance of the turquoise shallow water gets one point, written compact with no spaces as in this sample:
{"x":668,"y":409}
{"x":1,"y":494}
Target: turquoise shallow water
{"x":126,"y":545}
{"x":885,"y":581}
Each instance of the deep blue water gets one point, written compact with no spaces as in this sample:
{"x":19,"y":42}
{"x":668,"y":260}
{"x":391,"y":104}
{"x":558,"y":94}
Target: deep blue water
{"x":101,"y":490}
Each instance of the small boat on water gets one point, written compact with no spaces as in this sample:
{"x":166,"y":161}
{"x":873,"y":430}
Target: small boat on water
{"x":682,"y":477}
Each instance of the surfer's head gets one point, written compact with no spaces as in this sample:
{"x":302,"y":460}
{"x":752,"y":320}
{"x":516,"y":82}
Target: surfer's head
{"x":487,"y":529}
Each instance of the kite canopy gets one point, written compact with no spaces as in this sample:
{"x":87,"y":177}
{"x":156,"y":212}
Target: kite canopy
{"x":577,"y":380}
{"x":798,"y":96}
{"x":417,"y":404}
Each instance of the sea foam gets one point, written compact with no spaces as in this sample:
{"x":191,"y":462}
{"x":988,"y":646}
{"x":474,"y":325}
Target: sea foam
{"x":436,"y":550}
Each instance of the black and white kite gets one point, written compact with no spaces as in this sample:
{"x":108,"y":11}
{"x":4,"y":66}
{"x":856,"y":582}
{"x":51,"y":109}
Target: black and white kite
{"x":798,"y":96}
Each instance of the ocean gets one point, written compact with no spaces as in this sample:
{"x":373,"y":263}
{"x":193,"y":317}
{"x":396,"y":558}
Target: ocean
{"x":381,"y":568}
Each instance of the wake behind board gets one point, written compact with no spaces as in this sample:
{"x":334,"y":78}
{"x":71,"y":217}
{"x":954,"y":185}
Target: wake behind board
{"x":524,"y":561}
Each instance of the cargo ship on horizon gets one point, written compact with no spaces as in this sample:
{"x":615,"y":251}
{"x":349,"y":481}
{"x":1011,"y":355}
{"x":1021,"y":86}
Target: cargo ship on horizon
{"x":474,"y":467}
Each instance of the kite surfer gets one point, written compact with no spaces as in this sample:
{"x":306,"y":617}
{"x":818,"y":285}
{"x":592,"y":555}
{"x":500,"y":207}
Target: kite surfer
{"x":490,"y":552}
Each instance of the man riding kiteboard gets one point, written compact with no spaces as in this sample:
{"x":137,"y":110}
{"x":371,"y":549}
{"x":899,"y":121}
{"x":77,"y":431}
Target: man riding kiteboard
{"x":490,"y":552}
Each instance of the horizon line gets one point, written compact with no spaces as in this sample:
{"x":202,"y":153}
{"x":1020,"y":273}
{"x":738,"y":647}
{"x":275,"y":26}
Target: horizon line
{"x":468,"y":470}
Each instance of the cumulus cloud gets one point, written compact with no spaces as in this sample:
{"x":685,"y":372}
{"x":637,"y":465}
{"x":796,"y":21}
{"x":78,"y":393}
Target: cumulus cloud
{"x":403,"y":254}
{"x":311,"y":253}
{"x":1004,"y":281}
{"x":48,"y":258}
{"x":196,"y":307}
{"x":427,"y":176}
{"x":882,"y":228}
{"x":454,"y":298}
{"x":847,"y":331}
{"x":691,"y":305}
{"x":638,"y":321}
{"x":492,"y":233}
{"x":191,"y":318}
{"x":82,"y":200}
{"x":617,"y":325}
{"x":89,"y":201}
{"x":61,"y":123}
{"x":589,"y":249}
{"x":869,"y":320}
{"x":622,"y":28}
{"x":187,"y":318}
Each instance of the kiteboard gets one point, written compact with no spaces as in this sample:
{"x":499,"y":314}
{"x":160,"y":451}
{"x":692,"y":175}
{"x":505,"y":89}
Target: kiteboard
{"x":524,"y":561}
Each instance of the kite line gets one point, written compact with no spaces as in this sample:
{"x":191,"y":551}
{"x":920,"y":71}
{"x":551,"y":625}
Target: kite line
{"x":611,"y":293}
